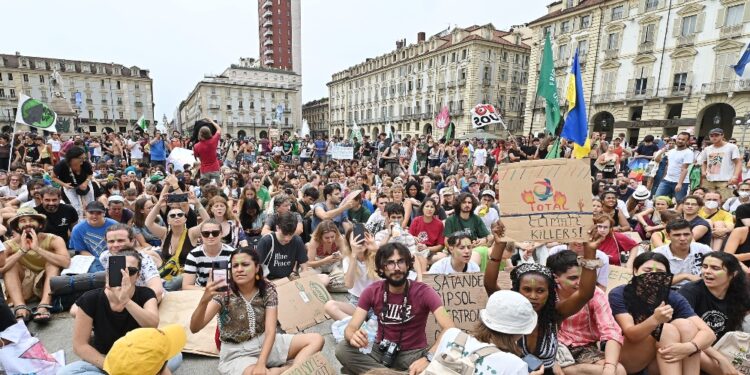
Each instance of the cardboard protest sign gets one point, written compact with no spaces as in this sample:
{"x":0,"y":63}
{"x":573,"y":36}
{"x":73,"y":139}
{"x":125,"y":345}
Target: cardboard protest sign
{"x":618,"y":276}
{"x":301,"y":302}
{"x":177,"y":308}
{"x":315,"y":365}
{"x":546,"y":201}
{"x":342,"y":152}
{"x":485,"y":114}
{"x":463,"y":296}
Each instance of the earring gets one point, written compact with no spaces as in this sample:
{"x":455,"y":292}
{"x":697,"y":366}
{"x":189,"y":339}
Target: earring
{"x":257,"y":277}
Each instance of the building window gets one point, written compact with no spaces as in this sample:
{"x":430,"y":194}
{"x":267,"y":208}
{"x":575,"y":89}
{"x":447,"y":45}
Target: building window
{"x":680,"y":82}
{"x":649,"y":32}
{"x":463,"y":57}
{"x":12,"y":93}
{"x":101,"y":83}
{"x":617,"y":12}
{"x":565,"y":26}
{"x":688,"y":25}
{"x":106,"y":115}
{"x":122,"y":115}
{"x":25,"y":77}
{"x":546,"y":31}
{"x":137,"y":86}
{"x":2,"y":93}
{"x":583,"y":46}
{"x":569,"y":3}
{"x":118,"y":85}
{"x":239,"y":104}
{"x":585,"y":22}
{"x":612,"y":41}
{"x":91,"y":114}
{"x":10,"y":76}
{"x":734,"y":15}
{"x":562,"y":52}
{"x":640,"y":86}
{"x":41,"y":78}
{"x":651,"y":5}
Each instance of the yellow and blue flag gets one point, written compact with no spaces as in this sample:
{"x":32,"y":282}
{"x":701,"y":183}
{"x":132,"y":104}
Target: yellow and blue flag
{"x":576,"y":123}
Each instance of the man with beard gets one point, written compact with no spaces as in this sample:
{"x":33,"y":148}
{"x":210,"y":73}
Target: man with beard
{"x":330,"y":209}
{"x":402,"y":308}
{"x":61,"y":217}
{"x":446,"y":195}
{"x":465,"y":220}
{"x":43,"y":254}
{"x":676,"y":180}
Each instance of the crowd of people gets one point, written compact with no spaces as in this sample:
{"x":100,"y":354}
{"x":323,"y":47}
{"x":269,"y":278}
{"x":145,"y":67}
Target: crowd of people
{"x":673,"y":212}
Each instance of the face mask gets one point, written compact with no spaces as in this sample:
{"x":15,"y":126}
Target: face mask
{"x":712,"y":205}
{"x":744,"y":194}
{"x":115,"y":192}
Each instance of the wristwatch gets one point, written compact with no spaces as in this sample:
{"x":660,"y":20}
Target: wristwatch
{"x":428,"y":355}
{"x":591,"y":264}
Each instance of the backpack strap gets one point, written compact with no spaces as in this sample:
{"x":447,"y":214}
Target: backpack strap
{"x":483,"y":352}
{"x":460,"y":341}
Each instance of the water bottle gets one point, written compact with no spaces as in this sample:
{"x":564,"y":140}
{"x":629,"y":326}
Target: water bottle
{"x":372,"y":329}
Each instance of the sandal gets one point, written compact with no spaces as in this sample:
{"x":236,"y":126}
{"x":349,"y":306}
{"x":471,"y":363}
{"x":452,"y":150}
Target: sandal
{"x":26,"y":317}
{"x":42,"y":317}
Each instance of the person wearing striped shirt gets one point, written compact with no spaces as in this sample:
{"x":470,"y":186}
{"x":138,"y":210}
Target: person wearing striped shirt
{"x":199,"y":261}
{"x":594,"y":323}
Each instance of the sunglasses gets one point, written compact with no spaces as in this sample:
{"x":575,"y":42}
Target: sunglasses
{"x":133,"y":270}
{"x":211,"y":233}
{"x":176,"y":215}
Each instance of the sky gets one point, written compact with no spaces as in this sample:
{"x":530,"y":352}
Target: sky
{"x":180,"y":41}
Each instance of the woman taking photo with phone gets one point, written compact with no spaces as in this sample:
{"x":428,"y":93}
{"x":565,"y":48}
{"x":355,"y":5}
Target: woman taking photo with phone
{"x":325,"y":250}
{"x":248,"y":316}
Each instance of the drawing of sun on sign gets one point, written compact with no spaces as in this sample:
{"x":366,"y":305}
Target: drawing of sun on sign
{"x":546,"y":200}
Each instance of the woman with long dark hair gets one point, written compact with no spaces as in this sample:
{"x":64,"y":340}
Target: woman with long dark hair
{"x":722,"y":300}
{"x":661,"y":329}
{"x":248,"y":316}
{"x":74,"y":175}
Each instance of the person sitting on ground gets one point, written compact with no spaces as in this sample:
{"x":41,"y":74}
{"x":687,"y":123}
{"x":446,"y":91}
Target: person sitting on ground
{"x":614,"y":244}
{"x":699,"y":226}
{"x":120,"y":238}
{"x":602,"y":274}
{"x":427,"y":229}
{"x":324,"y":253}
{"x":248,"y":317}
{"x":110,"y":313}
{"x":44,"y":255}
{"x":332,"y":209}
{"x":283,"y":251}
{"x":662,"y":332}
{"x":459,"y":247}
{"x":722,"y":222}
{"x":464,"y":219}
{"x":198,"y":264}
{"x":61,"y":217}
{"x":394,"y":233}
{"x":161,"y":344}
{"x":582,"y":332}
{"x":506,"y":318}
{"x":684,"y":254}
{"x":281,"y":203}
{"x":88,"y":236}
{"x":402,"y":308}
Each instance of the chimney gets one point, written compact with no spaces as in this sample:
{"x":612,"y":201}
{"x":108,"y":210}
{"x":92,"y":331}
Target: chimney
{"x":420,"y":37}
{"x":399,"y":44}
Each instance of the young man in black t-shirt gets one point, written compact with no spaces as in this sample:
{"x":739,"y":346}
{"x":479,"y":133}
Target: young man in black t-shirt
{"x":61,"y":218}
{"x":282,"y":251}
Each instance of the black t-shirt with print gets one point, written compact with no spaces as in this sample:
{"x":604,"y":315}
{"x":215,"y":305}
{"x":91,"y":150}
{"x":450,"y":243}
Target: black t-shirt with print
{"x":285,"y":257}
{"x":707,"y":306}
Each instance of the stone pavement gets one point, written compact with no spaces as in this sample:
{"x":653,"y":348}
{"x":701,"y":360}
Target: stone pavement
{"x":57,"y":335}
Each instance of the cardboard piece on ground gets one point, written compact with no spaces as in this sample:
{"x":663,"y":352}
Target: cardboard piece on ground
{"x":177,"y":308}
{"x":463,"y":296}
{"x":545,"y":200}
{"x":315,"y":365}
{"x":301,"y":302}
{"x":618,"y":276}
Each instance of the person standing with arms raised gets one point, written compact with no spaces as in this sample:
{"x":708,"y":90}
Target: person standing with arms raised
{"x":205,"y":151}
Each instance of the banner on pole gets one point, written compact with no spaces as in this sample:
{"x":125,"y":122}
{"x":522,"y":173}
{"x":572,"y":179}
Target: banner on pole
{"x":36,"y":114}
{"x":485,"y":114}
{"x":545,"y":201}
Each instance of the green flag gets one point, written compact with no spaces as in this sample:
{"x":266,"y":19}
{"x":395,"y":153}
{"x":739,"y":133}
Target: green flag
{"x":547,"y":88}
{"x":554,"y":152}
{"x":141,"y":123}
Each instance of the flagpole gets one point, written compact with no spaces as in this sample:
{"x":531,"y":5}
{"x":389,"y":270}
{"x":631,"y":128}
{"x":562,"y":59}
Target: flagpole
{"x":12,"y":140}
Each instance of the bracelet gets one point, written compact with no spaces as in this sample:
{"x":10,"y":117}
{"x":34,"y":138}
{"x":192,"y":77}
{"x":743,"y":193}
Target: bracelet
{"x":611,"y":364}
{"x":495,"y":259}
{"x":697,"y":349}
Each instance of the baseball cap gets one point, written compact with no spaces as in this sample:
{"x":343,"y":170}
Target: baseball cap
{"x":95,"y":206}
{"x":509,"y":312}
{"x":473,"y":181}
{"x":145,"y":350}
{"x":446,"y":191}
{"x":489,"y":192}
{"x":716,"y":131}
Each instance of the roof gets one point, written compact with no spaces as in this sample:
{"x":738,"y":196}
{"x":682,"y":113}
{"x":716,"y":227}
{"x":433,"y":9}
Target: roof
{"x":558,"y":13}
{"x":14,"y":61}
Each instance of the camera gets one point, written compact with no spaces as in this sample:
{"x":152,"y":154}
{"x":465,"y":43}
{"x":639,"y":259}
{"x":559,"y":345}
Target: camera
{"x":390,"y":351}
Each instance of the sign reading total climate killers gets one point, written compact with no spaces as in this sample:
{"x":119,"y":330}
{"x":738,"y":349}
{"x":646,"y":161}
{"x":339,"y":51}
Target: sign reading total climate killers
{"x":545,"y":201}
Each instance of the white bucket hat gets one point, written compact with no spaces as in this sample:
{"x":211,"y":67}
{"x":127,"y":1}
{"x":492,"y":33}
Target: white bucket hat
{"x":641,"y":193}
{"x":509,"y":312}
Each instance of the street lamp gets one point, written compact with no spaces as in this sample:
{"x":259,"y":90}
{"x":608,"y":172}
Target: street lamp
{"x":744,"y":129}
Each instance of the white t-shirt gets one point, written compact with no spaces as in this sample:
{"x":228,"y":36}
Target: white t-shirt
{"x":444,"y":267}
{"x":135,"y":150}
{"x":676,"y":159}
{"x":480,"y":157}
{"x":499,"y":363}
{"x":691,"y":264}
{"x":719,"y":161}
{"x":490,"y":217}
{"x":55,"y":145}
{"x":361,"y":282}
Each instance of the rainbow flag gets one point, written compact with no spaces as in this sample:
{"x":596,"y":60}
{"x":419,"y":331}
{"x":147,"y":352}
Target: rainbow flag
{"x":637,"y":168}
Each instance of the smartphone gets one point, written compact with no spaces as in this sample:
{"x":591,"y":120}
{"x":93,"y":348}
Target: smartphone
{"x":219,"y":272}
{"x":115,"y":267}
{"x":359,"y":232}
{"x":533,"y":362}
{"x":177,"y":198}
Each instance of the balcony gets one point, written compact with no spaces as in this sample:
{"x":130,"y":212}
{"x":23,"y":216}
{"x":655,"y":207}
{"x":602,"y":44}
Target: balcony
{"x":637,"y":94}
{"x":611,"y":54}
{"x":268,"y":42}
{"x":268,"y":23}
{"x":726,"y":86}
{"x":268,"y":33}
{"x":676,"y":91}
{"x":267,"y":14}
{"x":728,"y":32}
{"x":646,"y":47}
{"x":561,"y":63}
{"x":608,"y":97}
{"x":268,"y":61}
{"x":686,"y":40}
{"x":138,"y":104}
{"x":214,"y":107}
{"x":268,"y":52}
{"x":267,"y":4}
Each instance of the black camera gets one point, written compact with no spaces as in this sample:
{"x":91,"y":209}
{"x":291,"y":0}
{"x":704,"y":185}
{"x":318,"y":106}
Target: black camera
{"x":390,"y":351}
